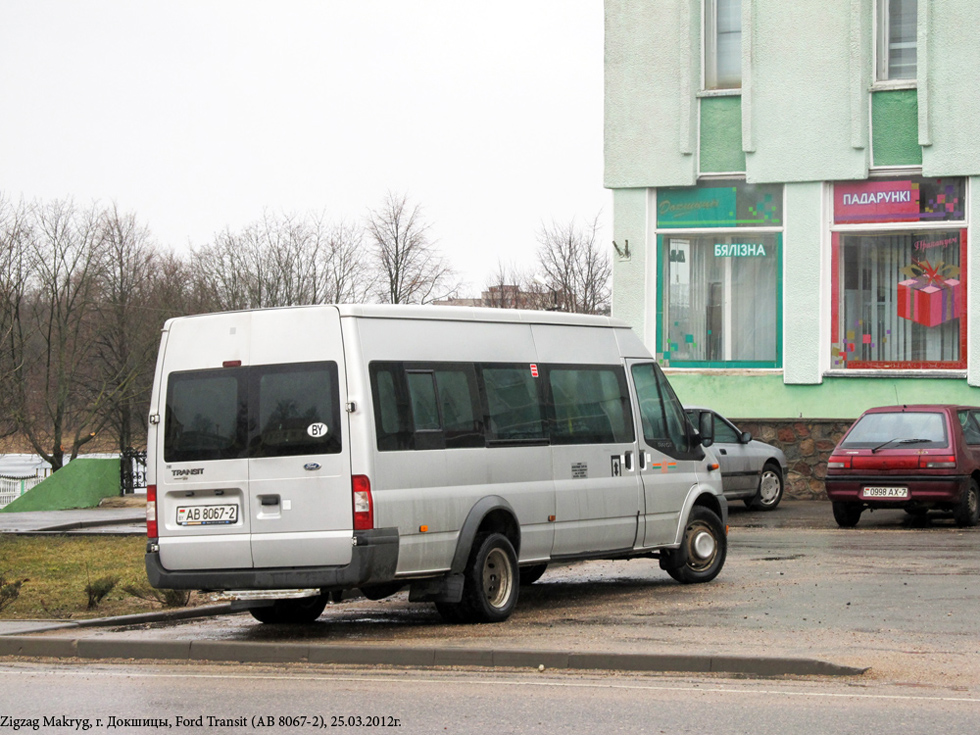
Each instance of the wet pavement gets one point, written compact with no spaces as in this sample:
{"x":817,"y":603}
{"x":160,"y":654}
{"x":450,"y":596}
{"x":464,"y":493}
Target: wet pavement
{"x":896,"y":594}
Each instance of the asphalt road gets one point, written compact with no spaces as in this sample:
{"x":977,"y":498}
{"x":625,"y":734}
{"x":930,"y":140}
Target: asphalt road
{"x":125,"y":698}
{"x":895,"y":596}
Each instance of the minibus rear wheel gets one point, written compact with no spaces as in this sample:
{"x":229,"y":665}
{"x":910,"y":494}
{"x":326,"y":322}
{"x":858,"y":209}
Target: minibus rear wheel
{"x":491,"y":581}
{"x":291,"y":612}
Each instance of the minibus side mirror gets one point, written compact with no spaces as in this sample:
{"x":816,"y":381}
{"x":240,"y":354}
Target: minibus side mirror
{"x":706,"y":428}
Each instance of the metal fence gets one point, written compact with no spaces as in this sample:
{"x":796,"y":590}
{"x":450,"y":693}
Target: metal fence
{"x":132,"y":471}
{"x":12,"y":488}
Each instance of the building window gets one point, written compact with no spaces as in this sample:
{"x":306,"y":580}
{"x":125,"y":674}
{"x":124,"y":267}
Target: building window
{"x":720,"y":281}
{"x":723,"y":44}
{"x":722,"y":299}
{"x":897,"y":24}
{"x":899,"y":293}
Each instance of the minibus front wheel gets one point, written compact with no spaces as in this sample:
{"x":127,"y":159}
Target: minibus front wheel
{"x":703,"y":549}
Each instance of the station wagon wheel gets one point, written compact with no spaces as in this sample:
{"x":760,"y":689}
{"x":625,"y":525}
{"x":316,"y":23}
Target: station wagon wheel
{"x":703,"y":548}
{"x":967,"y":513}
{"x":492,"y":581}
{"x":847,"y":515}
{"x":770,"y":488}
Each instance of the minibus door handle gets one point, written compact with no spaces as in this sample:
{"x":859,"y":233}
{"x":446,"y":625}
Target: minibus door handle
{"x":643,"y":459}
{"x":628,"y":461}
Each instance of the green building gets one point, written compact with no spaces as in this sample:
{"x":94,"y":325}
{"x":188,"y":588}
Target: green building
{"x":793,"y":184}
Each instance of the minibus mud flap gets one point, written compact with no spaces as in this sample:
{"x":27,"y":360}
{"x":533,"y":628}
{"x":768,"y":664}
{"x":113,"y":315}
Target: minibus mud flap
{"x":441,"y":589}
{"x":672,"y":558}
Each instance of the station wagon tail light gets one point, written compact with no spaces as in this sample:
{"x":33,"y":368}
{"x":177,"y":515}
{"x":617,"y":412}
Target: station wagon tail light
{"x":151,"y":511}
{"x":839,"y":463}
{"x":363,"y":503}
{"x":936,"y":462}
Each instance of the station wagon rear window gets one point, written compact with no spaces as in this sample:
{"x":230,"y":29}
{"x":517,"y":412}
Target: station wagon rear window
{"x":256,"y":411}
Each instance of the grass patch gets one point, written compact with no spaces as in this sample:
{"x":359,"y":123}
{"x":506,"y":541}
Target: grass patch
{"x":58,"y":575}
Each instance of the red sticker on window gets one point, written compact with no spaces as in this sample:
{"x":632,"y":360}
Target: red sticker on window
{"x":534,"y":371}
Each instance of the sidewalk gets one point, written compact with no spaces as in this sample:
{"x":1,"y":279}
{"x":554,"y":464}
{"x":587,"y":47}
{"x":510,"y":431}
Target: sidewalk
{"x":84,"y":520}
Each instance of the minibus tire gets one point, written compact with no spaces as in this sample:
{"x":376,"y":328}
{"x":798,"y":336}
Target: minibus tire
{"x":291,"y":612}
{"x":703,"y":548}
{"x":491,"y":581}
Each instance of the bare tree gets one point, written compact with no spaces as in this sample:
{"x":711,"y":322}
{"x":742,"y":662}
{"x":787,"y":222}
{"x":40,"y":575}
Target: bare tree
{"x":59,"y":405}
{"x":342,"y":275}
{"x":281,"y":261}
{"x":410,"y":269}
{"x":510,"y":287}
{"x":15,"y":267}
{"x":129,"y":325}
{"x":576,"y":269}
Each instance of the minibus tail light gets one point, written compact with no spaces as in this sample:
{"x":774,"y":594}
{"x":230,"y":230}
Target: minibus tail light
{"x":151,"y":511}
{"x":363,"y":503}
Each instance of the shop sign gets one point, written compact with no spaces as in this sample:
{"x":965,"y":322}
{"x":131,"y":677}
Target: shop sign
{"x":740,"y":250}
{"x":734,"y":204}
{"x":898,"y":200}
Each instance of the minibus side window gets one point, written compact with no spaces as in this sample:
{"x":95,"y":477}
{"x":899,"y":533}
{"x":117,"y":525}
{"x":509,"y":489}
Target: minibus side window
{"x":422,"y":392}
{"x":665,"y":425}
{"x":295,"y":409}
{"x":392,"y":411}
{"x":205,"y":417}
{"x":514,"y":409}
{"x":459,"y":406}
{"x":590,"y":405}
{"x":426,"y":406}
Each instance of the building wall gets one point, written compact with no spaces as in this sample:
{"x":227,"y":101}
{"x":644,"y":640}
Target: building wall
{"x":652,"y":72}
{"x":809,"y":113}
{"x":804,"y":119}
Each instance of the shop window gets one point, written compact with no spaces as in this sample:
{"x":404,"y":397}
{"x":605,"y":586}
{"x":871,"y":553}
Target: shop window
{"x":720,"y":281}
{"x":897,"y":26}
{"x":722,"y":299}
{"x":900,"y":294}
{"x":723,"y":44}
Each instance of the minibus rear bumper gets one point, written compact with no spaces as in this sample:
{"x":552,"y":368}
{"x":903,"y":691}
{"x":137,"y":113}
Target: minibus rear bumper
{"x":374,"y":560}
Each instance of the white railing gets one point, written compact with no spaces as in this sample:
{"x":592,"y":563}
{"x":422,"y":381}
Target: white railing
{"x":12,"y":488}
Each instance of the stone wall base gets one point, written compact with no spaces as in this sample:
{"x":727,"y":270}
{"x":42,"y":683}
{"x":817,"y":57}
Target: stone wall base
{"x":807,"y":444}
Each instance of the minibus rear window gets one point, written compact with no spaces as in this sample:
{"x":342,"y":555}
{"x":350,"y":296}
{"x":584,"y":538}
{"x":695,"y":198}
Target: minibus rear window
{"x":202,"y":419}
{"x":258,"y":411}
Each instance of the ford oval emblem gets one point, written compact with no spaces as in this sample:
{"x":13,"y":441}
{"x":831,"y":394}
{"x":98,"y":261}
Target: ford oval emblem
{"x":311,"y":466}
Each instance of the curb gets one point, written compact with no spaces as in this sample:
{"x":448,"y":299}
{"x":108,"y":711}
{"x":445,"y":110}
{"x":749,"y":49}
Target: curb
{"x":109,"y":647}
{"x":234,"y":651}
{"x":183,"y":613}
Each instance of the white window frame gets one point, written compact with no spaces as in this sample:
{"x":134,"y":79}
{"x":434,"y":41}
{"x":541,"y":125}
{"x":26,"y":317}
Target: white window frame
{"x":709,"y":57}
{"x":883,"y":47}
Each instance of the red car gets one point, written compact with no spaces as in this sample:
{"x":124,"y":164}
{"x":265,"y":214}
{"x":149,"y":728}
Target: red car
{"x":918,"y":458}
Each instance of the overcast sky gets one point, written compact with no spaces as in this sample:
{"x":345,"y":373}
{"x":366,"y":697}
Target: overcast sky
{"x":200,"y":115}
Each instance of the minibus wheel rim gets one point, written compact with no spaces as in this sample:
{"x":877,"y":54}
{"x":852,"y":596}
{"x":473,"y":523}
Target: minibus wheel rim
{"x":702,"y":546}
{"x":498,"y":578}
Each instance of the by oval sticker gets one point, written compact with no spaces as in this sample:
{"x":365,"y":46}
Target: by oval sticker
{"x":317,"y":430}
